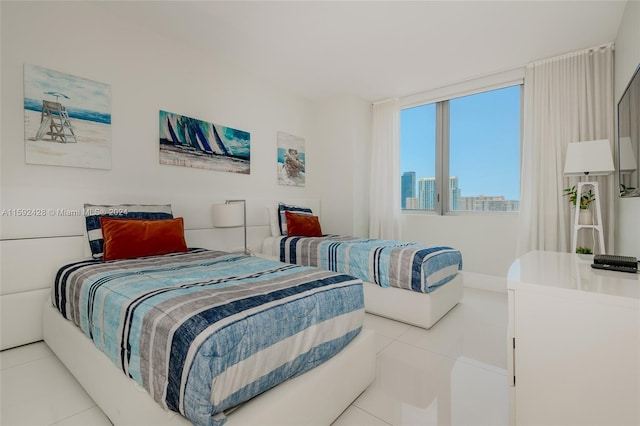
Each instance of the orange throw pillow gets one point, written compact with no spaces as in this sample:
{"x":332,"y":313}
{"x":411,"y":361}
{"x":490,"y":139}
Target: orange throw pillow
{"x":131,"y":238}
{"x":302,"y":225}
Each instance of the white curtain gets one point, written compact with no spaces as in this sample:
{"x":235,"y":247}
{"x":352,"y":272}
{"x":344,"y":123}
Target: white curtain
{"x":384,"y":200}
{"x":566,"y":99}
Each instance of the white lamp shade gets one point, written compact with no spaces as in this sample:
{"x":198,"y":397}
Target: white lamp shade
{"x":590,"y":157}
{"x":228,"y":215}
{"x":627,"y":156}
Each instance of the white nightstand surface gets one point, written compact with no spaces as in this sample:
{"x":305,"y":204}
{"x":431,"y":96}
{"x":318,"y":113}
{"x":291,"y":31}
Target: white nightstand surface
{"x":571,"y":272}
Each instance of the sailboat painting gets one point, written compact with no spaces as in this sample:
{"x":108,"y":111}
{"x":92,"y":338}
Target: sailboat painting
{"x":189,"y":142}
{"x":67,"y":119}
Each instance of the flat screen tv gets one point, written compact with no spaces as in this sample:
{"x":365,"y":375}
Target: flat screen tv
{"x":629,"y":138}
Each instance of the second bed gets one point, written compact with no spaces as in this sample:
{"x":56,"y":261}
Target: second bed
{"x":408,"y":282}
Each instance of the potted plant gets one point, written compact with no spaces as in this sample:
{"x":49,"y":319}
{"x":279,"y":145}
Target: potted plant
{"x":584,"y":253}
{"x":626,"y":190}
{"x":586,"y":198}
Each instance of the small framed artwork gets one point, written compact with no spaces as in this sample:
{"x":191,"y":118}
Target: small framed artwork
{"x":291,"y":160}
{"x":67,"y":119}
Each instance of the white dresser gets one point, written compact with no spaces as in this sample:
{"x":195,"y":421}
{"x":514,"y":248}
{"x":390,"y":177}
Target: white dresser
{"x":573,"y":342}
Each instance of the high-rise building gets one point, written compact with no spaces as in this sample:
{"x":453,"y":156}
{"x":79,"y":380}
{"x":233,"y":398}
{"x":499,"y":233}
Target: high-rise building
{"x":408,"y":187}
{"x":454,"y":194}
{"x":483,"y":203}
{"x":427,"y":193}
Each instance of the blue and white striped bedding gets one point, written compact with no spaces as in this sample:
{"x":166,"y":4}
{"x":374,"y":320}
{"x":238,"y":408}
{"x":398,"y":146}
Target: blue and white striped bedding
{"x":204,"y":331}
{"x":411,"y":266}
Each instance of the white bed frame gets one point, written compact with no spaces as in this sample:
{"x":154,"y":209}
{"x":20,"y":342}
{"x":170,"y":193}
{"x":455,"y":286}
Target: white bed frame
{"x":316,"y":397}
{"x":419,"y":309}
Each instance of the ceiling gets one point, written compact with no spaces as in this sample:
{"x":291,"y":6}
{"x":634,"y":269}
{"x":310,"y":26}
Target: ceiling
{"x":378,"y":49}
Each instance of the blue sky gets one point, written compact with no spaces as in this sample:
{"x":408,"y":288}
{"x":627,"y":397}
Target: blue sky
{"x":484,"y":142}
{"x":82,"y":93}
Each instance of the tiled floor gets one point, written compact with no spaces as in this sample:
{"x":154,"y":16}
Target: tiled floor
{"x":453,"y":374}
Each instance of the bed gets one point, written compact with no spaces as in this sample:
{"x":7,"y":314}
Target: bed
{"x":219,"y":338}
{"x":409,"y":282}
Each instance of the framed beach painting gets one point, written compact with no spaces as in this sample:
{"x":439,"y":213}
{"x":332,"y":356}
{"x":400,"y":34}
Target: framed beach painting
{"x":291,"y":160}
{"x":189,"y":142}
{"x":67,"y":119}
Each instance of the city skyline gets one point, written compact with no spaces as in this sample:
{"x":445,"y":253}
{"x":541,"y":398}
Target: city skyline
{"x":425,"y":189}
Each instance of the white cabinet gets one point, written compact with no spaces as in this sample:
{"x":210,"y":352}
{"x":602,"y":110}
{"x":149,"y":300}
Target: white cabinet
{"x":574,"y":342}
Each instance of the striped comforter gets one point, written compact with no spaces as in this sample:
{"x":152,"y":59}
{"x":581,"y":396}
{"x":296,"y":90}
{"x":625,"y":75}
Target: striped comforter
{"x":410,"y":266}
{"x":205,"y":331}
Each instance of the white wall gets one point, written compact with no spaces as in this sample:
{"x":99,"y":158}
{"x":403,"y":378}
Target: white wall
{"x":343,"y":130}
{"x":627,"y":58}
{"x":147,"y":73}
{"x":487,"y":241}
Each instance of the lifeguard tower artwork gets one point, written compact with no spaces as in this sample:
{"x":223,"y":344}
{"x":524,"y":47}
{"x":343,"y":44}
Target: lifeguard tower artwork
{"x":189,"y":142}
{"x":67,"y":119}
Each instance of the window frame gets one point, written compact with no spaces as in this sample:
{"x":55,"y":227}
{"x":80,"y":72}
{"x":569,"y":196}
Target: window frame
{"x":441,"y":97}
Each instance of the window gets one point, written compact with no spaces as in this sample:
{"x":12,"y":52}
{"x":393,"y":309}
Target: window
{"x":418,"y":155}
{"x":462,"y":153}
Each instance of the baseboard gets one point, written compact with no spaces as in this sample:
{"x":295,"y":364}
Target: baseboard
{"x":485,"y":282}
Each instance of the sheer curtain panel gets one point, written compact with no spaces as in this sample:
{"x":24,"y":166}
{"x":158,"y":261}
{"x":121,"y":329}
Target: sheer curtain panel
{"x":566,"y":99}
{"x":384,"y":200}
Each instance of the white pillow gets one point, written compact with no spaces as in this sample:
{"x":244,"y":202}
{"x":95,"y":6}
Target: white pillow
{"x":274,"y":221}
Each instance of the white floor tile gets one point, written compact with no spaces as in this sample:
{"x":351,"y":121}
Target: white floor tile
{"x":463,"y":339}
{"x":23,"y":354}
{"x":385,"y":327}
{"x":405,"y":385}
{"x":91,"y":417}
{"x":417,"y":387}
{"x":40,"y":392}
{"x":353,"y":416}
{"x":485,"y":306}
{"x":381,"y":341}
{"x":478,"y":396}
